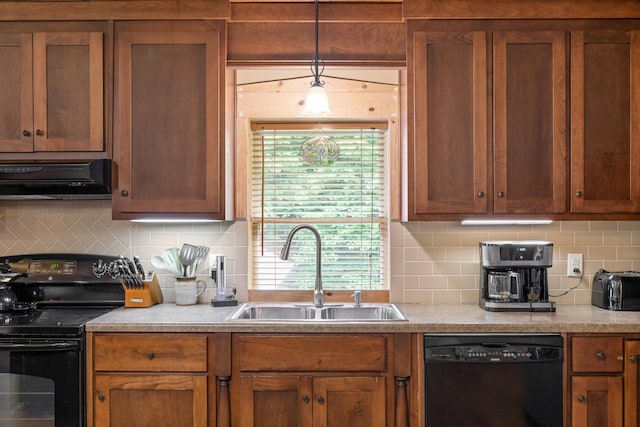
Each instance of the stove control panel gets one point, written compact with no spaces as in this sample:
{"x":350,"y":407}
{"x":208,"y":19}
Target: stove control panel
{"x":52,"y":267}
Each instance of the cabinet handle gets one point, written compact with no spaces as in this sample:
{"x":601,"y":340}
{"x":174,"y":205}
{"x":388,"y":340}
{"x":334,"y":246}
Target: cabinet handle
{"x":581,"y":398}
{"x":320,"y":400}
{"x":600,"y":355}
{"x":305,"y":398}
{"x":578,"y":194}
{"x":39,"y":132}
{"x":634,"y":358}
{"x":26,"y":133}
{"x":150,"y":355}
{"x":124,"y":193}
{"x":101,"y":397}
{"x":480,"y":194}
{"x":500,"y":194}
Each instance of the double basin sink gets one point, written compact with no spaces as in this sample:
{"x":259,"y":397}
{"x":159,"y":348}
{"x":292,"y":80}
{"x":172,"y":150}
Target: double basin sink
{"x":299,"y":312}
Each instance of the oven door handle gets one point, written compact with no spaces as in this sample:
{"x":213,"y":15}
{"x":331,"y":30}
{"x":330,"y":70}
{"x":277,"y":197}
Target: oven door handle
{"x":49,"y":346}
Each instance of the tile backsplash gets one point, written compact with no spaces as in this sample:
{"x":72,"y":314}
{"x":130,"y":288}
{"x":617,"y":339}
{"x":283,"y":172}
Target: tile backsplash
{"x":430,"y":262}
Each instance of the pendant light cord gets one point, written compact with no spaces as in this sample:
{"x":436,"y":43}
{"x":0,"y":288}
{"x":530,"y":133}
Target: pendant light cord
{"x":315,"y":67}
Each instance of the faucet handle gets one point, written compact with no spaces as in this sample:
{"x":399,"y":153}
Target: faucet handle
{"x":357,"y":298}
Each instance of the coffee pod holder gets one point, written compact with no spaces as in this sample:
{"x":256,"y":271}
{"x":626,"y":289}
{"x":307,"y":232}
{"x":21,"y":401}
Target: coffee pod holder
{"x":146,"y":294}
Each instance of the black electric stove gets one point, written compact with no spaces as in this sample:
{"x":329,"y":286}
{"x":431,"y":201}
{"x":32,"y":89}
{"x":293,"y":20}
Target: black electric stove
{"x":42,"y":335}
{"x":59,"y":293}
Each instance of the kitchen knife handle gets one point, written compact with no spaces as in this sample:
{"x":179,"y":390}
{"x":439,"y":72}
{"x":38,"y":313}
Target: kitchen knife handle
{"x":138,"y":264}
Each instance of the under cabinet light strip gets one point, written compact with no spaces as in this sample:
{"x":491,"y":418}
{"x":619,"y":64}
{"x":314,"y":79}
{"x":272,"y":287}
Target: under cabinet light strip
{"x":173,"y":220}
{"x":506,"y":221}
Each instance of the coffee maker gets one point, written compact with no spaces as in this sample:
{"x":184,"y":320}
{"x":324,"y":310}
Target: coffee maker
{"x":514,"y":275}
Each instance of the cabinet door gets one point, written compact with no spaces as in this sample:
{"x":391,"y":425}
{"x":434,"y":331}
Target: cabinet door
{"x":448,"y":152}
{"x":150,"y":400}
{"x":596,"y":401}
{"x":349,"y":401}
{"x":530,"y":122}
{"x":275,"y":401}
{"x":169,"y":144}
{"x":605,"y":121}
{"x":68,"y":91}
{"x":16,"y":93}
{"x":631,"y":383}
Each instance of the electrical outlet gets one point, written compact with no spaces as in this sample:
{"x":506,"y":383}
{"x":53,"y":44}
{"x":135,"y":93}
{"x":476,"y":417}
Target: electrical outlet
{"x":574,"y":265}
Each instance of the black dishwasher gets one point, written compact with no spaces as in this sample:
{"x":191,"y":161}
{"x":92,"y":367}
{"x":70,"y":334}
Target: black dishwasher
{"x":493,"y":380}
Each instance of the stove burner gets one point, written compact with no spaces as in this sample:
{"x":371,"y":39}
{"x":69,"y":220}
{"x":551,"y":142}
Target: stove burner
{"x":23,"y":307}
{"x":24,"y":314}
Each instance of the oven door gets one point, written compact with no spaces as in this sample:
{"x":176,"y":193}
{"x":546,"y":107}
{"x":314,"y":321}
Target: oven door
{"x":41,"y":382}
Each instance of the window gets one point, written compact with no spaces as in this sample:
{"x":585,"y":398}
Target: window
{"x":329,"y":175}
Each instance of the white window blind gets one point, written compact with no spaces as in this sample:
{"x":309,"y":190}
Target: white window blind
{"x":343,"y":198}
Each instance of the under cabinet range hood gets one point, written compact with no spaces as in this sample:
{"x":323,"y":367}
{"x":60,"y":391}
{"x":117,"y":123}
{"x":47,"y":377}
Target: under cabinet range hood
{"x":62,"y":181}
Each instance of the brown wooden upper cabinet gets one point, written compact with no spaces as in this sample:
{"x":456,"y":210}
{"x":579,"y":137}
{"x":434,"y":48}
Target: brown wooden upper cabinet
{"x":51,"y":92}
{"x":605,"y":121}
{"x":168,"y":139}
{"x":448,"y":150}
{"x":530,"y":138}
{"x":450,"y":160}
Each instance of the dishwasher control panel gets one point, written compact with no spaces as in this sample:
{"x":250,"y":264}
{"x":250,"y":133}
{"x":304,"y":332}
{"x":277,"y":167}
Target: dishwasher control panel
{"x":490,"y":350}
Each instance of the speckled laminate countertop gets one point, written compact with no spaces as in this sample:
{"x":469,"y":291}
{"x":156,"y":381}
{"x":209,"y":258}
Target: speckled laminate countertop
{"x":466,"y":318}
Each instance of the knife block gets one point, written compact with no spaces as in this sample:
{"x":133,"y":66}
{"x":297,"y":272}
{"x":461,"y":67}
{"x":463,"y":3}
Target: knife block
{"x":150,"y":294}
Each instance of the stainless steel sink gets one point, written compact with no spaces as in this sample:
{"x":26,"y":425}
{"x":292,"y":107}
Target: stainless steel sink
{"x":271,"y":312}
{"x":298,"y":312}
{"x":364,"y":313}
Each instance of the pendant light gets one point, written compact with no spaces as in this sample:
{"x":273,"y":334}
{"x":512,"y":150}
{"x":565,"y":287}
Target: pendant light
{"x":317,"y":102}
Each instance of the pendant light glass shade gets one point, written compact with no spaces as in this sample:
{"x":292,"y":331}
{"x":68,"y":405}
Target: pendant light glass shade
{"x":316,"y":102}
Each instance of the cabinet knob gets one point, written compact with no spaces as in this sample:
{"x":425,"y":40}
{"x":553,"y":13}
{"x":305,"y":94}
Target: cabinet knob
{"x":500,"y":194}
{"x":581,"y":398}
{"x":634,"y":358}
{"x":150,"y":355}
{"x":320,"y":400}
{"x":600,"y":355}
{"x":39,"y":132}
{"x":578,"y":194}
{"x":101,"y":397}
{"x":480,"y":194}
{"x":124,"y":193}
{"x":305,"y":398}
{"x":26,"y":133}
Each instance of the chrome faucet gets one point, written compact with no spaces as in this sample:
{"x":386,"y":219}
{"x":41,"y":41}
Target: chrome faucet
{"x":318,"y":295}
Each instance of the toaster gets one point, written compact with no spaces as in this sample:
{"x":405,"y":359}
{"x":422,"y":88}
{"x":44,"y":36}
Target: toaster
{"x":616,"y":290}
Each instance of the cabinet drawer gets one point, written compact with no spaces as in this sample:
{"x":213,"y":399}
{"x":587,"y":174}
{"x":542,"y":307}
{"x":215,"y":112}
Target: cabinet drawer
{"x":596,"y":354}
{"x":150,"y":353}
{"x":336,"y":353}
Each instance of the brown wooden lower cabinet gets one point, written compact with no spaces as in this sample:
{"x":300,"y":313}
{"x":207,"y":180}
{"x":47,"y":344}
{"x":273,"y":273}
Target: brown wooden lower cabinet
{"x":631,"y":383}
{"x":281,"y":401}
{"x":316,"y":380}
{"x":150,"y":379}
{"x":151,"y":400}
{"x":257,"y":380}
{"x":596,"y":401}
{"x":604,"y":380}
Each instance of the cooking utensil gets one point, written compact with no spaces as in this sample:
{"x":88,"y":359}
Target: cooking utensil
{"x":202,"y":252}
{"x":171,"y":257}
{"x":187,"y":256}
{"x":159,"y":262}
